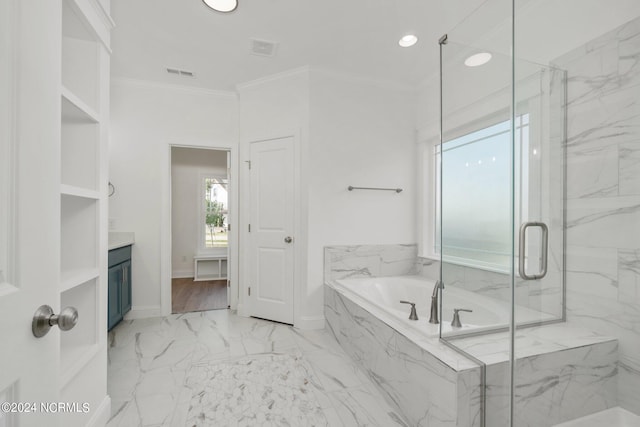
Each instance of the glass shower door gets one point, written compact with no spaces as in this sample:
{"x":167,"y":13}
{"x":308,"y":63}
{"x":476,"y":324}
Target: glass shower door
{"x":500,"y":190}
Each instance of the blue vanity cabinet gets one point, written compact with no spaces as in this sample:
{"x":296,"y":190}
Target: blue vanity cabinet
{"x":119,"y":285}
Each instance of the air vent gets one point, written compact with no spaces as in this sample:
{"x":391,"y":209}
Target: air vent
{"x":263,"y":47}
{"x":178,"y":72}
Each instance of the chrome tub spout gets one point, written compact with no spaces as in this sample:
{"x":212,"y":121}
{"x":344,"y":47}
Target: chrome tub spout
{"x":433,"y":318}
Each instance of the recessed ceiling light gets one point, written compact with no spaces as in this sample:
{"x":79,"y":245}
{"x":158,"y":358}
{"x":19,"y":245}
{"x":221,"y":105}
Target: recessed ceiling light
{"x":408,"y":40}
{"x":222,"y":5}
{"x":477,"y":59}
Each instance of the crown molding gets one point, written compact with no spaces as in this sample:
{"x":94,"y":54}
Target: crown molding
{"x":273,"y":77}
{"x":168,"y":86}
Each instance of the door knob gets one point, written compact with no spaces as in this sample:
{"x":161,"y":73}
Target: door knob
{"x":44,"y":319}
{"x":288,"y":239}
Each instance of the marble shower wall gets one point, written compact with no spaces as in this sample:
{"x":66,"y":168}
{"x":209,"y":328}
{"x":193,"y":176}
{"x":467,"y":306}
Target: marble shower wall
{"x":603,"y":195}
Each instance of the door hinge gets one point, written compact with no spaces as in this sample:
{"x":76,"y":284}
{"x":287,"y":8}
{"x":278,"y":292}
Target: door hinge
{"x":249,"y":290}
{"x":249,"y":228}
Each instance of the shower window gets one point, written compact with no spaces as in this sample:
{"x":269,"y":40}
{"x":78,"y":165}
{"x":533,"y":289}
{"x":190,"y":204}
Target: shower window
{"x":477,"y":194}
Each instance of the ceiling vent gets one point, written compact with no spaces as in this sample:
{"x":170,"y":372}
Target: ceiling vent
{"x":263,"y":47}
{"x":178,"y":72}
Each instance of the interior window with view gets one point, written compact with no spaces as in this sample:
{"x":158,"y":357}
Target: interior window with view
{"x":476,"y":194}
{"x":216,"y":207}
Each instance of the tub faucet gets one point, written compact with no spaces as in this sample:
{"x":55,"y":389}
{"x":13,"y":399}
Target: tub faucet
{"x":456,"y":317}
{"x":413,"y":315}
{"x":434,"y":303}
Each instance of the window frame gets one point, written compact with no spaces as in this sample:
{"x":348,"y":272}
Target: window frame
{"x":429,"y":182}
{"x":202,"y":212}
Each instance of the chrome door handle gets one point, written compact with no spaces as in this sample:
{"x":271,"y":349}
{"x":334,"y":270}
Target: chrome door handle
{"x":44,"y":319}
{"x":288,"y":239}
{"x":523,"y":246}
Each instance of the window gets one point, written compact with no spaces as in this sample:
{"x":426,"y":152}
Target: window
{"x":215,"y":205}
{"x":476,"y":199}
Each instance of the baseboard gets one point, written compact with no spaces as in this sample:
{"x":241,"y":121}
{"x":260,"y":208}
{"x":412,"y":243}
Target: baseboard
{"x":101,"y":414}
{"x":241,"y":310}
{"x":310,"y":322}
{"x":182,"y":274}
{"x":143,"y":312}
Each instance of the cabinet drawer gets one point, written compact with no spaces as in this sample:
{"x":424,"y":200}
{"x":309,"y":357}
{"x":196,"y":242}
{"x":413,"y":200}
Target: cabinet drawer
{"x":116,"y":256}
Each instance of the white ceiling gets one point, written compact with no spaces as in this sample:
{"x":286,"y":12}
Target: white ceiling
{"x":356,"y":37}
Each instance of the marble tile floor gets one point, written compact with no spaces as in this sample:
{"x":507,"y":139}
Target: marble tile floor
{"x":214,"y":368}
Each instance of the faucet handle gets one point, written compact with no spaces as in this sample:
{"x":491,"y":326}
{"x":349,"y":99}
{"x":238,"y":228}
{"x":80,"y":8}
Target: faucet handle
{"x":413,"y":315}
{"x":456,"y":317}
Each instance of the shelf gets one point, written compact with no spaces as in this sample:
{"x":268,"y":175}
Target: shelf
{"x":79,"y":233}
{"x":81,"y":356}
{"x":72,"y":278}
{"x":72,"y":190}
{"x":80,"y":154}
{"x":74,"y":110}
{"x":76,"y":344}
{"x":213,"y":267}
{"x":202,"y":278}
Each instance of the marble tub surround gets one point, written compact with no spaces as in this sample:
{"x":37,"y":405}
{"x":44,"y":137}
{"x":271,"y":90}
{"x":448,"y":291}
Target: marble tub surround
{"x":215,"y":368}
{"x":545,"y":296}
{"x":354,"y":261}
{"x":603,"y":195}
{"x":555,"y":364}
{"x":423,"y":387}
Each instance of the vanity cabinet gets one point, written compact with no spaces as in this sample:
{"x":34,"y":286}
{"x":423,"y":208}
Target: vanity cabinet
{"x":119,"y":285}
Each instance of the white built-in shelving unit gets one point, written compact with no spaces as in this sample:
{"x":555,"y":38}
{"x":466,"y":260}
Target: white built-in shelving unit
{"x":84,"y":97}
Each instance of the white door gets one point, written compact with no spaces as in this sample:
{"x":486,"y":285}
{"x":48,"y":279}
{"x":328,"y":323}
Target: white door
{"x":271,"y":239}
{"x":29,"y":209}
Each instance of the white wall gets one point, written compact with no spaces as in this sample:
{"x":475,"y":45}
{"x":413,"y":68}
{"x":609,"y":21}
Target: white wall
{"x":145,"y":120}
{"x":188,"y":166}
{"x":349,"y":132}
{"x":274,"y":107}
{"x":361,"y":134}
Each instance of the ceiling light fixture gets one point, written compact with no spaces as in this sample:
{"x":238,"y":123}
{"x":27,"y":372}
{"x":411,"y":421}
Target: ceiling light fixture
{"x":477,"y":59}
{"x":222,"y":5}
{"x":408,"y":40}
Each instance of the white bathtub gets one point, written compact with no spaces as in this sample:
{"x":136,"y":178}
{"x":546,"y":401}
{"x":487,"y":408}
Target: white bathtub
{"x":385,"y":294}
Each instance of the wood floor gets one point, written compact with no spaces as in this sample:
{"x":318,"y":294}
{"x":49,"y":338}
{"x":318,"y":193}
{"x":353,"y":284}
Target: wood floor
{"x":187,"y":295}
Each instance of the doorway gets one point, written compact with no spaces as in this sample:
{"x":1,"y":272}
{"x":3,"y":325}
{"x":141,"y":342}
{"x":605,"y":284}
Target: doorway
{"x":199,"y":229}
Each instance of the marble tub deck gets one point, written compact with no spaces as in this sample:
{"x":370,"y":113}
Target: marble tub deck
{"x":214,"y":368}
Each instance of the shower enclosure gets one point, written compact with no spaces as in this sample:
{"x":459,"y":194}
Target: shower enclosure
{"x":537,"y":200}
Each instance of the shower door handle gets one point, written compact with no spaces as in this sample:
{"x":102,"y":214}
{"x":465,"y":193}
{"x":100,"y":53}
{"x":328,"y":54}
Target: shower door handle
{"x":523,"y":246}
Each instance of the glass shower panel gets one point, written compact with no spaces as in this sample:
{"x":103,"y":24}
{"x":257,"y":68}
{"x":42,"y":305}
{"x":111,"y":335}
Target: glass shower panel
{"x":473,"y":178}
{"x":476,"y":195}
{"x":539,"y":244}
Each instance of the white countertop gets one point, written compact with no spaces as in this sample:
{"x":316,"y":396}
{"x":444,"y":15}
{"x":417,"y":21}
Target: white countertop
{"x":119,"y":239}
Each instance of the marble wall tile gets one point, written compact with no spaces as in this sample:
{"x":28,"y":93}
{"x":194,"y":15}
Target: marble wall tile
{"x":592,"y":171}
{"x":370,"y":261}
{"x":629,"y":163}
{"x":554,"y":387}
{"x":603,"y":222}
{"x":603,"y":209}
{"x":629,"y":384}
{"x":629,"y":276}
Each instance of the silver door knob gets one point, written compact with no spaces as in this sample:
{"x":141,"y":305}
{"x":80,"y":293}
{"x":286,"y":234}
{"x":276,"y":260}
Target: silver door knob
{"x":288,"y":239}
{"x":44,"y":319}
